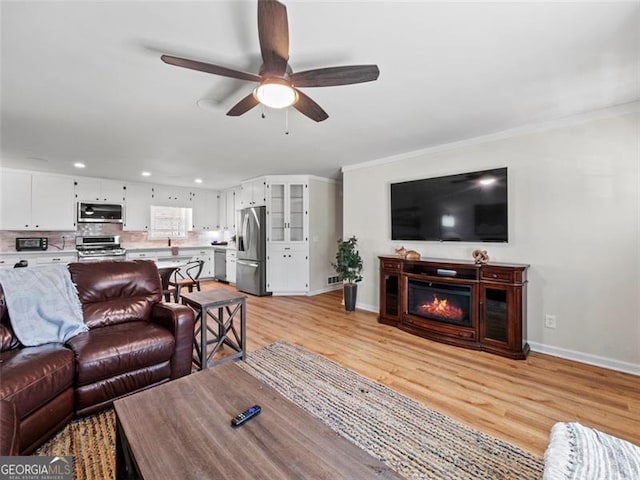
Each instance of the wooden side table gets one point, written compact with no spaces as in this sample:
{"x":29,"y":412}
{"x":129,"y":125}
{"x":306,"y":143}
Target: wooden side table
{"x":223,"y":307}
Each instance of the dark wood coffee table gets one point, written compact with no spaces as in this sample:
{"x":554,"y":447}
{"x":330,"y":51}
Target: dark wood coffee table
{"x":182,"y":430}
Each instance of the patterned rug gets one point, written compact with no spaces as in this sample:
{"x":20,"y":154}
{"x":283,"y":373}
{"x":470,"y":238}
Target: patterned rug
{"x":414,"y":440}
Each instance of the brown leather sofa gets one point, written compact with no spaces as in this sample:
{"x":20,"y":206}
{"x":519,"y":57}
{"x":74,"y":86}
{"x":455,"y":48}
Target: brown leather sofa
{"x":134,"y":342}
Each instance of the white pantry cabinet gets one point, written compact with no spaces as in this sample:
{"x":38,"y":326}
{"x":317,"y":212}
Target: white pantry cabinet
{"x":288,"y":212}
{"x":288,"y":269}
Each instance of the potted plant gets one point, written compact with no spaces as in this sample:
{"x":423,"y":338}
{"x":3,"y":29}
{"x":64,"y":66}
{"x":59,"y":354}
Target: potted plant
{"x":348,"y":267}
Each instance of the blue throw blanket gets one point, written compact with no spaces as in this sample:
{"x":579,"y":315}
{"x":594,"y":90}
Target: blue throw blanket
{"x":43,"y":304}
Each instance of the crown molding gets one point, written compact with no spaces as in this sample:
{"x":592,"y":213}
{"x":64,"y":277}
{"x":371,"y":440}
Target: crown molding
{"x":615,"y":111}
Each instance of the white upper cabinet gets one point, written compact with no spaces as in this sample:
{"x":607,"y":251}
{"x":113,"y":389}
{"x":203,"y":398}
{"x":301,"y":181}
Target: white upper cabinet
{"x":227,"y":201}
{"x":172,"y":196}
{"x":205,"y":209}
{"x":99,"y":190}
{"x":253,"y":193}
{"x":137,"y":208}
{"x":231,"y":198}
{"x":35,"y":201}
{"x":15,"y":211}
{"x":287,"y":212}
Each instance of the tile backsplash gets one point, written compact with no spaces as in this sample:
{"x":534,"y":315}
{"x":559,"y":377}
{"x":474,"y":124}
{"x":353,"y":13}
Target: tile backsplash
{"x":128,"y":239}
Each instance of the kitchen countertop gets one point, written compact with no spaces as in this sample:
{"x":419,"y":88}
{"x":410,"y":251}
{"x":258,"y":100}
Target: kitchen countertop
{"x":181,"y":249}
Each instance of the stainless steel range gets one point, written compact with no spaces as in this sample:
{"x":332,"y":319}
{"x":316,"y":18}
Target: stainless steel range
{"x":99,"y":247}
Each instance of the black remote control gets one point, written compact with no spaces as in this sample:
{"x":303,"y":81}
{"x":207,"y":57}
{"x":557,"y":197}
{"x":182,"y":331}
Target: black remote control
{"x":245,"y":416}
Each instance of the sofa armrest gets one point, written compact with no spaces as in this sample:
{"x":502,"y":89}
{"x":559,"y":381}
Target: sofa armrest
{"x":9,"y":424}
{"x":179,"y":320}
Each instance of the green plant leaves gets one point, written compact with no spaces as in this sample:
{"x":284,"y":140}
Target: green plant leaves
{"x":348,"y":263}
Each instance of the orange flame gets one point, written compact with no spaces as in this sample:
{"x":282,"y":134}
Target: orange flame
{"x":442,"y":309}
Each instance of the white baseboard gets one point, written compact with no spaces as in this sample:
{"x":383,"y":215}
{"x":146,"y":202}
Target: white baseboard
{"x":368,"y":308}
{"x":330,"y":288}
{"x":586,"y":358}
{"x":561,"y":352}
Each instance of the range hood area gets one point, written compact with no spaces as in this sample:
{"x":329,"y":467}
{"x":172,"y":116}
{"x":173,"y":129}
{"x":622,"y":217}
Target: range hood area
{"x":91,"y":212}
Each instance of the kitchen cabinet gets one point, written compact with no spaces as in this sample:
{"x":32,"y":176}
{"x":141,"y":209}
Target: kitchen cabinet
{"x":205,"y":209}
{"x":144,"y":255}
{"x":231,"y":265}
{"x":231,"y":209}
{"x":227,"y":210}
{"x":172,"y":196}
{"x":288,"y":269}
{"x":287,"y":212}
{"x":34,"y":201}
{"x":35,"y":259}
{"x":99,"y":190}
{"x":137,"y":209}
{"x":253,"y":193}
{"x":206,"y":255}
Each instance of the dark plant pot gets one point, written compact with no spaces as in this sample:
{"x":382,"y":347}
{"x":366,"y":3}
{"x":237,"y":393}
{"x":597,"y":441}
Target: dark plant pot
{"x":350,"y":294}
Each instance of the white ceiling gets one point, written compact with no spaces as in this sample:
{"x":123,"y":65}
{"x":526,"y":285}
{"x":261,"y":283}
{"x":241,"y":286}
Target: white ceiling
{"x":83,"y":81}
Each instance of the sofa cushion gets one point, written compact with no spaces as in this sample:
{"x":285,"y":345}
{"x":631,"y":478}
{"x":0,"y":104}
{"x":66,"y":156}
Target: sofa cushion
{"x":105,"y":352}
{"x":33,"y":376}
{"x":117,"y":291}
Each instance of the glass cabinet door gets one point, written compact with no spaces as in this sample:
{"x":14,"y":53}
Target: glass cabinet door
{"x":277,"y":212}
{"x":296,"y":212}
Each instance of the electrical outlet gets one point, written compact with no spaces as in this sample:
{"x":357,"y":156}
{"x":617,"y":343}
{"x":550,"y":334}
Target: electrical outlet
{"x":550,"y":321}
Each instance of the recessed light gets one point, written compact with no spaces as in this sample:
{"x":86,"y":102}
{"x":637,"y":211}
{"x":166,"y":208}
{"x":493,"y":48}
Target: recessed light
{"x":198,"y":180}
{"x":146,"y":174}
{"x":79,"y":165}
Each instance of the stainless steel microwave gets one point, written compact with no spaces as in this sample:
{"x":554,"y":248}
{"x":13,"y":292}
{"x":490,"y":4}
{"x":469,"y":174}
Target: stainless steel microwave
{"x":99,"y":212}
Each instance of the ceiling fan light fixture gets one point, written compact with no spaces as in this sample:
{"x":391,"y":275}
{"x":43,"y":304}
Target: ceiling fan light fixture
{"x":276,"y":93}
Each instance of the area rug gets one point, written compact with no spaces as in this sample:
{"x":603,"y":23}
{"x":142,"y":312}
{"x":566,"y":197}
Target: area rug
{"x":417,"y":442}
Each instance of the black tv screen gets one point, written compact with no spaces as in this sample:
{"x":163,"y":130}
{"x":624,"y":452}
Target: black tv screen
{"x":469,"y":207}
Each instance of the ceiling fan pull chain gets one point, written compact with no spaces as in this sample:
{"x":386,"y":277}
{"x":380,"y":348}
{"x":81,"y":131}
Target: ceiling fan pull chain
{"x":286,"y":122}
{"x":262,"y":114}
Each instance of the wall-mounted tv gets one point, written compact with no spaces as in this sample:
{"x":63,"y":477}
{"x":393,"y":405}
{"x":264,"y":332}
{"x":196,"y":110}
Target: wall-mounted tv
{"x":469,"y":207}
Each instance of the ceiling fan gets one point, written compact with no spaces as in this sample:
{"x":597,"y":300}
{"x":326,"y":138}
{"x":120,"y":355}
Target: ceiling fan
{"x":278,"y":84}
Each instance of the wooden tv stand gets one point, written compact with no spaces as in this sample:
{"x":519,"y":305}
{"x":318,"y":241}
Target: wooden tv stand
{"x":491,"y":314}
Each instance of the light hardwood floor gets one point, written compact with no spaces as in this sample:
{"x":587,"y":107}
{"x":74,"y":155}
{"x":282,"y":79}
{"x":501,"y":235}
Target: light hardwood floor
{"x":515,"y":400}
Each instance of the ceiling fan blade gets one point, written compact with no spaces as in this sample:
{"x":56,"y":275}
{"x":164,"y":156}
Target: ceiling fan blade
{"x":243,"y":106}
{"x":309,"y":108}
{"x":273,"y":31}
{"x":210,"y":68}
{"x":332,"y":76}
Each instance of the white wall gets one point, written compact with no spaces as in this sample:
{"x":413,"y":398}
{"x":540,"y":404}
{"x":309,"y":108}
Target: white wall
{"x":574,"y":214}
{"x":325,"y":228}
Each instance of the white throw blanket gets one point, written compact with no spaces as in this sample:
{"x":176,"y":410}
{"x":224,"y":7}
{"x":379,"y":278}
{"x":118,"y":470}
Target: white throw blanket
{"x":576,"y":452}
{"x":43,"y":304}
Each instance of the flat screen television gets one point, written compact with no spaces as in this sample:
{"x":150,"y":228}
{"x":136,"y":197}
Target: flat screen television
{"x":469,"y":207}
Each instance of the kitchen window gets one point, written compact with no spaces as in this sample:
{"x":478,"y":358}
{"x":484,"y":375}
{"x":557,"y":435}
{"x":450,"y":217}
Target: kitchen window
{"x":170,"y":222}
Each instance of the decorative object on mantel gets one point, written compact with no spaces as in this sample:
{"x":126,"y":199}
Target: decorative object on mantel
{"x":401,"y":252}
{"x":348,"y":267}
{"x":408,"y":254}
{"x":480,"y":257}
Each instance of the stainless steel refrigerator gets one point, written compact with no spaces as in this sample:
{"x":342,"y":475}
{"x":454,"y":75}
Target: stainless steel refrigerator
{"x":251,"y":264}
